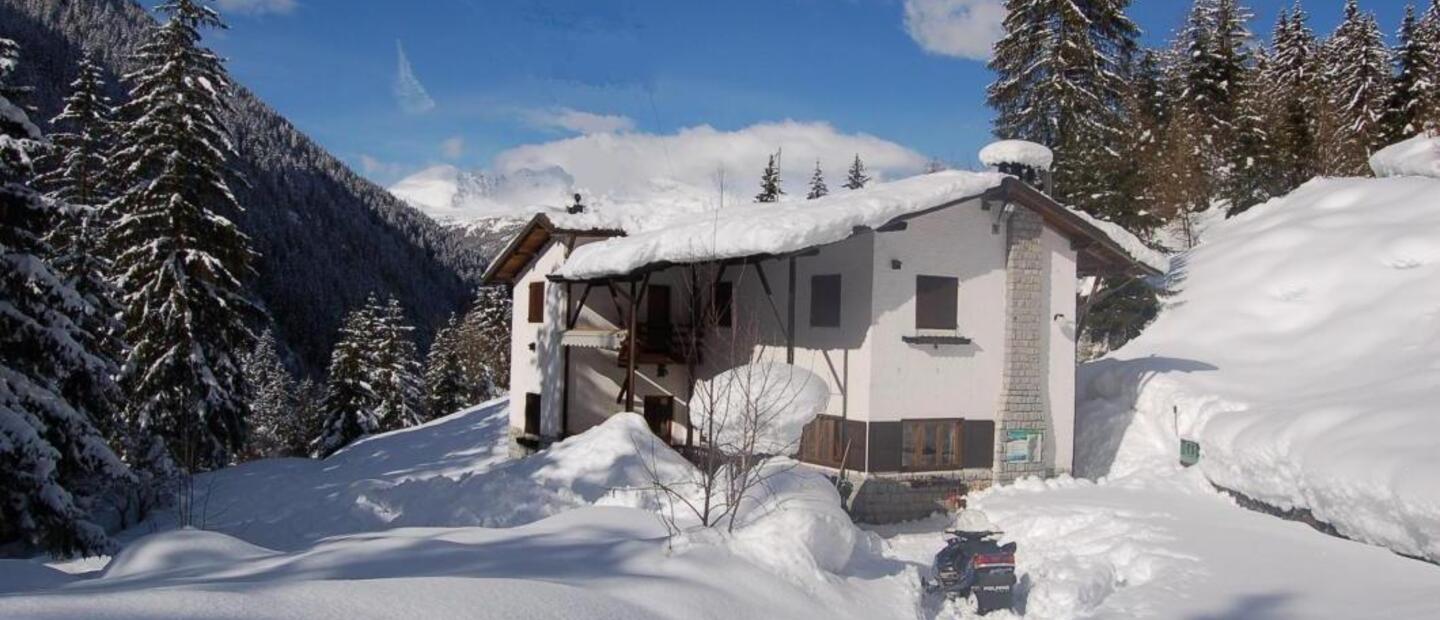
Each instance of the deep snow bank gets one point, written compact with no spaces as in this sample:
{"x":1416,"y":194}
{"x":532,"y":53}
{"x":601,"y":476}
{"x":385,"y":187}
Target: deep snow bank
{"x":1303,"y":352}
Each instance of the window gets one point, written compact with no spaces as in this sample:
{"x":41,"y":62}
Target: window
{"x":537,"y":302}
{"x":826,"y":439}
{"x":532,"y":414}
{"x":724,"y":304}
{"x":825,"y":301}
{"x":930,"y":445}
{"x":936,"y":302}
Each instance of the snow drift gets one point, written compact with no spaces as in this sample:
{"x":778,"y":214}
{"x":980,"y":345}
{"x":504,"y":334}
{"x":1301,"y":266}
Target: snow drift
{"x":1303,"y":352}
{"x":767,"y":404}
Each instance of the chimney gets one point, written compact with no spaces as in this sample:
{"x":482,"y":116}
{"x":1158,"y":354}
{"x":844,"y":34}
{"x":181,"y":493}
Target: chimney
{"x":576,"y":208}
{"x":1027,"y":161}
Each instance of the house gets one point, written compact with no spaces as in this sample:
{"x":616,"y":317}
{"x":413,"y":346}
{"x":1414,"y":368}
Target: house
{"x":940,"y":310}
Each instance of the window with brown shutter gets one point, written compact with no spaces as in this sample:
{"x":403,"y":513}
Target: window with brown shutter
{"x":936,"y":302}
{"x":537,"y":302}
{"x":832,"y":441}
{"x":724,"y":304}
{"x":825,"y":300}
{"x":532,"y":414}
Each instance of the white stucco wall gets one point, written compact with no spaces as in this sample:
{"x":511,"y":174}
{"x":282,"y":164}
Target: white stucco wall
{"x":910,"y":381}
{"x":530,"y":368}
{"x":1060,"y":339}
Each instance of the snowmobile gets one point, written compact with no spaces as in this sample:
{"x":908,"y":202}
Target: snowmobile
{"x":975,"y":564}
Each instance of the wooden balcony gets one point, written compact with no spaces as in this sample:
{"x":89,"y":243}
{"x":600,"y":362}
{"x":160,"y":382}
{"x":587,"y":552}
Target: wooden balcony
{"x":661,"y":343}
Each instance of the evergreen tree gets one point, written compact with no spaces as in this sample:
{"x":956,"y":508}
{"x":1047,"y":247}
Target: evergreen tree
{"x":79,"y":174}
{"x":350,"y":400}
{"x":179,"y":259}
{"x":1061,"y":81}
{"x":817,"y":184}
{"x":485,"y":342}
{"x":1255,"y":172}
{"x":1428,"y":35}
{"x":1216,"y":60}
{"x":1291,"y":79}
{"x":770,"y":190}
{"x":855,"y":178}
{"x":53,"y":458}
{"x":397,"y":379}
{"x":1358,"y":78}
{"x":1148,"y":106}
{"x":447,"y":386}
{"x":272,"y":398}
{"x":300,"y":429}
{"x":1416,"y":75}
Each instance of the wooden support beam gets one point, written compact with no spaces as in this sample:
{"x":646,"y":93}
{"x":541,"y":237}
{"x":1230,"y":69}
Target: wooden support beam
{"x":575,"y":316}
{"x":630,"y":342}
{"x":790,"y":317}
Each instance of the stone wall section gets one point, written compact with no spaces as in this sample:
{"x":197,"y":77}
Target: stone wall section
{"x":1022,"y":394}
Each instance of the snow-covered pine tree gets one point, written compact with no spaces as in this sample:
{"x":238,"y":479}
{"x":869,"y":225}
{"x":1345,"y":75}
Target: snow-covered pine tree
{"x":1428,"y":34}
{"x":1292,"y":81}
{"x":447,"y":388}
{"x":78,"y":172}
{"x":179,"y":258}
{"x":1254,"y":172}
{"x":350,"y":400}
{"x":1216,"y":59}
{"x":817,"y":184}
{"x":398,"y":380}
{"x":1359,"y":79}
{"x":770,"y":190}
{"x":77,"y":176}
{"x":485,"y":342}
{"x":1061,"y":81}
{"x":1416,"y":75}
{"x":855,"y":177}
{"x":54,"y":459}
{"x":299,"y":430}
{"x":272,"y":398}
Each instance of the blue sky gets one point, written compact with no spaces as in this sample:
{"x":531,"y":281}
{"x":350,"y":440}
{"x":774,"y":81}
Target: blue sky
{"x":497,"y":74}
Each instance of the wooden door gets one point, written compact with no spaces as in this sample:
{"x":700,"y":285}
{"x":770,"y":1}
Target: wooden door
{"x":659,"y":410}
{"x":657,"y":319}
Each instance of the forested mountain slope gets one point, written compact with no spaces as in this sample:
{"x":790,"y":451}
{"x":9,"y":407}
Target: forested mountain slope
{"x":327,"y":236}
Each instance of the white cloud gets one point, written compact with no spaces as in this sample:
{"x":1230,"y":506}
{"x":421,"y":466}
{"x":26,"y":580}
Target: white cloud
{"x":409,"y":92}
{"x":576,"y":121}
{"x":453,"y":147}
{"x":961,"y":28}
{"x":381,"y":171}
{"x":634,"y":164}
{"x":256,"y":7}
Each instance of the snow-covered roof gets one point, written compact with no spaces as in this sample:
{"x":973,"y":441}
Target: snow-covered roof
{"x":774,"y":228}
{"x":1017,"y":152}
{"x":1417,"y":157}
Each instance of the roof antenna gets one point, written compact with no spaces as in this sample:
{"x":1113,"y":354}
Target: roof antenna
{"x":576,"y":208}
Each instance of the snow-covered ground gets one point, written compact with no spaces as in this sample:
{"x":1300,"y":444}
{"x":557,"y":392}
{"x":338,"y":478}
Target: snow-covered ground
{"x":436,"y":521}
{"x":1302,"y":351}
{"x":1169,"y":546}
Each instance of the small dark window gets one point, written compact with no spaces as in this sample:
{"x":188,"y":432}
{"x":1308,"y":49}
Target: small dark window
{"x":537,"y":302}
{"x":930,"y":445}
{"x":936,"y":302}
{"x":724,"y":304}
{"x":825,"y":301}
{"x":532,"y":414}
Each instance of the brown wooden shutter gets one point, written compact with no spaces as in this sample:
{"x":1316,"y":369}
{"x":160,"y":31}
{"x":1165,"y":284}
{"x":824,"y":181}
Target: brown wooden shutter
{"x":825,"y":300}
{"x":724,"y":304}
{"x":936,"y":302}
{"x":977,"y":449}
{"x":532,"y":414}
{"x":537,"y":302}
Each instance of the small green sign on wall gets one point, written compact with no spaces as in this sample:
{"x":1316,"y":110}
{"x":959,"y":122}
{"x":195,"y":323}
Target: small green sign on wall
{"x":1189,"y":452}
